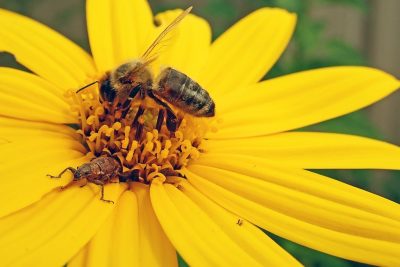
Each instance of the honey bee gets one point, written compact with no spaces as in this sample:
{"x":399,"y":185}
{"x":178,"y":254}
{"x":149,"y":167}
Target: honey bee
{"x":176,"y":88}
{"x":99,"y":171}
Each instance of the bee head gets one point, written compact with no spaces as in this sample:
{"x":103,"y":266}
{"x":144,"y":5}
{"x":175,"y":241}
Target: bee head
{"x":123,"y":79}
{"x":131,"y":74}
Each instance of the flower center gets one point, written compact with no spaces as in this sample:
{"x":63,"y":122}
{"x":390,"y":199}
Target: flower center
{"x":137,"y":135}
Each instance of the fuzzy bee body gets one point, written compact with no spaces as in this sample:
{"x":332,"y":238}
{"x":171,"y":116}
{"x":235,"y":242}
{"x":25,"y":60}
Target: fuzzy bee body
{"x":106,"y":90}
{"x":176,"y":88}
{"x":181,"y":91}
{"x":173,"y":86}
{"x":120,"y":81}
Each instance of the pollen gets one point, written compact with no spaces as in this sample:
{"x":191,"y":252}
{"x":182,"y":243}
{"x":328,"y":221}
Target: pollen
{"x":137,"y":135}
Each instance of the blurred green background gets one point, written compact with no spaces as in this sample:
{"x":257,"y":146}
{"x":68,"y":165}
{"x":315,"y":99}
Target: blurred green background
{"x":329,"y":32}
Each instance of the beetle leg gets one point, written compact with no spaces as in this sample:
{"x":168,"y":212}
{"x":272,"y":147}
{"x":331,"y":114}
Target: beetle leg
{"x":113,"y":180}
{"x":98,"y":182}
{"x":61,"y":173}
{"x":102,"y":196}
{"x":101,"y":183}
{"x":86,"y":182}
{"x":68,"y":185}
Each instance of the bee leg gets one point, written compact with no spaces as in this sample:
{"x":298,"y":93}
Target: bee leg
{"x":61,"y":173}
{"x":138,"y":114}
{"x":114,"y":105}
{"x":158,"y":101}
{"x":172,"y":120}
{"x":131,"y":96}
{"x":139,"y":131}
{"x":101,"y":183}
{"x":160,"y":119}
{"x":125,"y":110}
{"x":134,"y":91}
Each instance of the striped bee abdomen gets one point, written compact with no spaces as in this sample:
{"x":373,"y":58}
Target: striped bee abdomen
{"x":181,"y":91}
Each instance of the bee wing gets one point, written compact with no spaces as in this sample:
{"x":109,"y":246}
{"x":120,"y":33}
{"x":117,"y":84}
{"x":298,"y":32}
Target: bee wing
{"x":148,"y":55}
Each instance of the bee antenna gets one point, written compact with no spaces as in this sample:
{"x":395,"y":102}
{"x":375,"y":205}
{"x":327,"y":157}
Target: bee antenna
{"x":86,"y":86}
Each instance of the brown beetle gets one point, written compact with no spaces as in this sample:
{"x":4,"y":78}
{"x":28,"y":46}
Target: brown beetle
{"x":99,"y":171}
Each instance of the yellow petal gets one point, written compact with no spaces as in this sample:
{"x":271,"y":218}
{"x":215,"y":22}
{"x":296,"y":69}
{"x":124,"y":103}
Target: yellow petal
{"x":251,"y":238}
{"x":299,"y":206}
{"x":155,"y":247}
{"x":301,"y":99}
{"x":22,"y":139}
{"x":51,"y":231}
{"x":29,"y":151}
{"x":27,"y":96}
{"x":14,"y":130}
{"x":304,"y":206}
{"x":79,"y":260}
{"x":309,"y":182}
{"x":15,"y":152}
{"x":44,"y":51}
{"x":307,"y":150}
{"x":132,"y":236}
{"x":118,"y":30}
{"x":24,"y":181}
{"x":243,"y":54}
{"x":187,"y":47}
{"x":115,"y":244}
{"x":199,"y":240}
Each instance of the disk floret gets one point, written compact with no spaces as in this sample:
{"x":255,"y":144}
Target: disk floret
{"x":137,"y":135}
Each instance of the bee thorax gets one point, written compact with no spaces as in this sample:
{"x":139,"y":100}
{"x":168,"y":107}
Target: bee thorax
{"x":121,"y":81}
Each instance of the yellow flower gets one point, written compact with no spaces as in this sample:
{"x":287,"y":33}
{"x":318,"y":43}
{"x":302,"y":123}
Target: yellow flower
{"x":201,"y":194}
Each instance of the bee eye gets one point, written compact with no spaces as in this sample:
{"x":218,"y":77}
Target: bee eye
{"x":125,"y":80}
{"x":107,"y":92}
